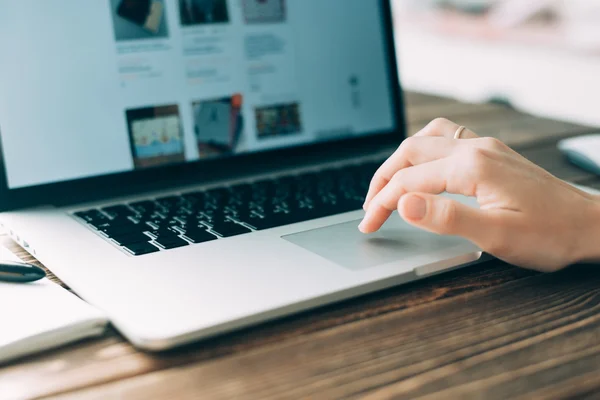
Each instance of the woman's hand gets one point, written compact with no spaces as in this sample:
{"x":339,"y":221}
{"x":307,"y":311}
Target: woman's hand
{"x":527,"y":216}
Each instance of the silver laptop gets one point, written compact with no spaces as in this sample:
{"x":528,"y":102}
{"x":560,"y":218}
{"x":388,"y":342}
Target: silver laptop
{"x":207,"y":174}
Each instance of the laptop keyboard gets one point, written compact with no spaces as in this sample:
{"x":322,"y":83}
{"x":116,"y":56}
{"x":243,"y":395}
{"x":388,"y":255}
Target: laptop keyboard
{"x":163,"y":223}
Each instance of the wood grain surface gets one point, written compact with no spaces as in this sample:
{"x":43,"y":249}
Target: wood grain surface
{"x":488,"y":331}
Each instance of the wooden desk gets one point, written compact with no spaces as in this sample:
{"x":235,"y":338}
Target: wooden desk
{"x":489,"y":331}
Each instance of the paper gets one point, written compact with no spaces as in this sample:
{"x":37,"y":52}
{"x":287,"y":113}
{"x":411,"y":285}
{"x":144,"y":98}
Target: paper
{"x":40,"y":315}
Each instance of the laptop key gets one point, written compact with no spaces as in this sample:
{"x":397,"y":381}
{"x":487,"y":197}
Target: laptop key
{"x":101,"y":224}
{"x":169,"y":202}
{"x":141,"y":248}
{"x":111,"y":223}
{"x":131,"y":238}
{"x":261,"y":223}
{"x":144,"y":207}
{"x":122,"y":230}
{"x":228,"y":228}
{"x":118,"y":211}
{"x":193,"y":198}
{"x":171,"y":242}
{"x":199,"y":235}
{"x":91,"y":216}
{"x":243,"y":191}
{"x":119,"y":220}
{"x":166,"y":232}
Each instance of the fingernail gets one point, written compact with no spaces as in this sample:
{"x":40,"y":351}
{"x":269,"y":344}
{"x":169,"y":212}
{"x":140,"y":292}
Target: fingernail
{"x":361,"y":226}
{"x":415,"y":208}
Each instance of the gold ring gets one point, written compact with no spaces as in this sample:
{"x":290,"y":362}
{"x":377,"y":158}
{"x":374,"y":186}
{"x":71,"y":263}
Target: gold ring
{"x":459,"y":132}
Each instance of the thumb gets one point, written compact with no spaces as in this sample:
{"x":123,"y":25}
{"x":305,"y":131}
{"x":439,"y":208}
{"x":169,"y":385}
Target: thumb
{"x":444,"y":216}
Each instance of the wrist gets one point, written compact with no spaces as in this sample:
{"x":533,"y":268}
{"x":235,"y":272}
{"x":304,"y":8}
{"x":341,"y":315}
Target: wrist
{"x":591,"y":236}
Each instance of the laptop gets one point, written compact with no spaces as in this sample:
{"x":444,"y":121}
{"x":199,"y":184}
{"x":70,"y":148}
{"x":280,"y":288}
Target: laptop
{"x":113,"y":176}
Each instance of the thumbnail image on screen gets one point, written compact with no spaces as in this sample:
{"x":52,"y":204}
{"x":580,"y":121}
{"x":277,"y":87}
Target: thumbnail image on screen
{"x":263,"y":11}
{"x":200,"y":12}
{"x":156,"y":136}
{"x":139,"y":19}
{"x":218,"y":125}
{"x":278,"y":120}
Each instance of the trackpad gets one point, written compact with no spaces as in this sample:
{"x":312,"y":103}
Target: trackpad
{"x":344,"y":245}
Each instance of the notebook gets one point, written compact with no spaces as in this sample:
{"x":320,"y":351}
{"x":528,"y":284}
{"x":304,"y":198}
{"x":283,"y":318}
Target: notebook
{"x":41,"y":315}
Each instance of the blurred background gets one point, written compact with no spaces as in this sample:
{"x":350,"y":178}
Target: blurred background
{"x":541,"y":56}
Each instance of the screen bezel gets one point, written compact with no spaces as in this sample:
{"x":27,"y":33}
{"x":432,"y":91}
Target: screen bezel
{"x":132,"y":182}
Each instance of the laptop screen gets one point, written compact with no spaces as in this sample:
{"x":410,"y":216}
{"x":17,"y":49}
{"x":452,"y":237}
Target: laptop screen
{"x":89,"y":88}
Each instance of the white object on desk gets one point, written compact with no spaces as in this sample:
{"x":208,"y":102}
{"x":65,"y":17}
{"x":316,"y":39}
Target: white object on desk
{"x":509,"y":13}
{"x":583,"y":151}
{"x":41,"y":315}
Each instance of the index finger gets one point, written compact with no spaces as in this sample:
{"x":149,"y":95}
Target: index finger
{"x":413,"y":151}
{"x":439,"y":127}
